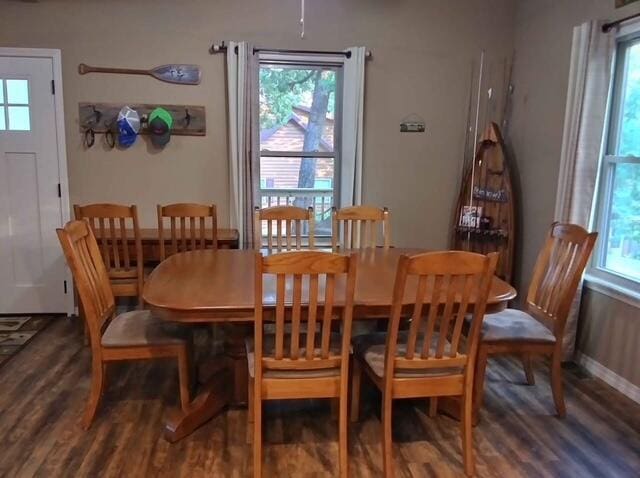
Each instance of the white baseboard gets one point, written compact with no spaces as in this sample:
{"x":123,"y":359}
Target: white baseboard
{"x":611,"y":378}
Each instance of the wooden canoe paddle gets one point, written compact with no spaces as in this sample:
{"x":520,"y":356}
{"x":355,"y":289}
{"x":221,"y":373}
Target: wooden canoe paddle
{"x":180,"y":74}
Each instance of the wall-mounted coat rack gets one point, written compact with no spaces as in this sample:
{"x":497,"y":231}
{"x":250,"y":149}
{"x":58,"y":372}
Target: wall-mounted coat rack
{"x":188,"y":120}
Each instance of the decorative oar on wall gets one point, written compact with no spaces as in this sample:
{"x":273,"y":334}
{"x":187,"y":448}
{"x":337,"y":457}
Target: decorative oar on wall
{"x":178,"y":74}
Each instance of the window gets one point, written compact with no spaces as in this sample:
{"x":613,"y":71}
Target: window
{"x":299,"y":131}
{"x":617,"y":259}
{"x":14,"y":105}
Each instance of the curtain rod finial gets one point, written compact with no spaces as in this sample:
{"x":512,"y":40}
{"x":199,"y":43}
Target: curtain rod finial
{"x":217,"y":48}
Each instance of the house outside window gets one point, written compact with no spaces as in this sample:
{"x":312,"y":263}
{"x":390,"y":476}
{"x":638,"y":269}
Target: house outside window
{"x":617,"y":213}
{"x":300,"y":105}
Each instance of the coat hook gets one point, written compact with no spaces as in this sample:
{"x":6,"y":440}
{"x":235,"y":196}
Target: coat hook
{"x":110,"y":133}
{"x":187,"y":117}
{"x":89,"y":137}
{"x":97,"y":115}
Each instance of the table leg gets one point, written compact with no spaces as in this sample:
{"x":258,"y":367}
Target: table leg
{"x":235,"y":349}
{"x":450,"y":406}
{"x":213,"y":397}
{"x":223,"y":381}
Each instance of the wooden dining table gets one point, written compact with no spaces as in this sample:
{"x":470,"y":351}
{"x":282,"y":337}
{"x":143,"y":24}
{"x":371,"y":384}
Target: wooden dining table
{"x":216,"y":286}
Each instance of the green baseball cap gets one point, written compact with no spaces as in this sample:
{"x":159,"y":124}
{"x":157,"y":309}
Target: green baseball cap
{"x":160,"y":122}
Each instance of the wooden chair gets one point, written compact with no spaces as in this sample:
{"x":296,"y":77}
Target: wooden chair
{"x":429,"y":359}
{"x":311,"y":364}
{"x":109,"y":223}
{"x":187,"y":237}
{"x":539,"y":328}
{"x":293,"y":219}
{"x":359,"y":227}
{"x":134,"y":335}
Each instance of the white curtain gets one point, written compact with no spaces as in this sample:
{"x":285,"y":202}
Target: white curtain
{"x":592,"y":57}
{"x":242,"y":83}
{"x":352,"y":127}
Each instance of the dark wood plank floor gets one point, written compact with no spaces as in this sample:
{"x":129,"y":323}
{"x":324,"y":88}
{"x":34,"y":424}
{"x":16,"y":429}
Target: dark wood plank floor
{"x":43,"y":393}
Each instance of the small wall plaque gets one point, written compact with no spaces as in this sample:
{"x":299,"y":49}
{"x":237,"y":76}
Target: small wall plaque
{"x":412,"y":124}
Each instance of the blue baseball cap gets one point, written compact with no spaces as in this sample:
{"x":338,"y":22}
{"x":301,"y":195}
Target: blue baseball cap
{"x":128,"y":126}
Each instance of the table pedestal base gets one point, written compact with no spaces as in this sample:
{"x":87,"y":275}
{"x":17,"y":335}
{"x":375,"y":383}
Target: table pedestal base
{"x":450,"y":406}
{"x":223,"y":380}
{"x":209,"y":402}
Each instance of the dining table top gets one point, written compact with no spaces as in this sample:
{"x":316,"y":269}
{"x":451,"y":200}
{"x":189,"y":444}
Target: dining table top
{"x":218,"y":285}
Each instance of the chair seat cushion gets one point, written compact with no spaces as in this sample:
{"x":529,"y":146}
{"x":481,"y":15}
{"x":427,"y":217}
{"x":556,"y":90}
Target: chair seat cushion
{"x":138,"y":328}
{"x":371,"y":348}
{"x":269,"y":347}
{"x":514,"y":325}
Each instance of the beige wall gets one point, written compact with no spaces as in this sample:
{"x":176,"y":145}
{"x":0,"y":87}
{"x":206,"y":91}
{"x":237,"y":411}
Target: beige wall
{"x":422,"y":49}
{"x":543,"y":31}
{"x":610,"y":333}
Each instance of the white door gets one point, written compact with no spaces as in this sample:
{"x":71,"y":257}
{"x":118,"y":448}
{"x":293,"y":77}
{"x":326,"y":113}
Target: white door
{"x":32,"y":270}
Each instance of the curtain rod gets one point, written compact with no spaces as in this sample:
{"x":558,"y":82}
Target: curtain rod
{"x":222,"y":47}
{"x":608,"y":26}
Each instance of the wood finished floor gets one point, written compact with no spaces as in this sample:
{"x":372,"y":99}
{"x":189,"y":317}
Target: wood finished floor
{"x":43,"y":393}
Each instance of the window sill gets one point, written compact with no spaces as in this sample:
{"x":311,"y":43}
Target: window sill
{"x":615,"y":291}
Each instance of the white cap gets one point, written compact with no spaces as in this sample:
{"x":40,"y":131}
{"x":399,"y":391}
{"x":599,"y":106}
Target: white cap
{"x":130,"y":116}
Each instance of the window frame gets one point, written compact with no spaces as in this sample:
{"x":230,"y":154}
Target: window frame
{"x":598,"y":276}
{"x":312,"y":61}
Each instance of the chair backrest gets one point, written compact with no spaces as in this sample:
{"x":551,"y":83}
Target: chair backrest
{"x":89,"y":274}
{"x":557,"y":273}
{"x":359,"y":226}
{"x":450,"y":285}
{"x":287,"y":234}
{"x":192,"y":227}
{"x":109,"y":223}
{"x":309,"y":277}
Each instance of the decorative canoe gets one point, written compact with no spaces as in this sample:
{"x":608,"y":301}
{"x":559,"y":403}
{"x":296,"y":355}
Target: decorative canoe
{"x":484,"y":218}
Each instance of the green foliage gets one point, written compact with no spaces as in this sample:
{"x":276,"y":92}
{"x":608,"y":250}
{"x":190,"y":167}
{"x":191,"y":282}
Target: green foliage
{"x":625,"y":204}
{"x":630,"y":127}
{"x":283,"y":88}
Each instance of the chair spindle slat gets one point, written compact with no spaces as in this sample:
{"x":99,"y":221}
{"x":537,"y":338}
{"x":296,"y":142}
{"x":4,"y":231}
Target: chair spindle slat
{"x":288,"y":232}
{"x":295,"y":316}
{"x":416,"y":318}
{"x":174,"y":236}
{"x":312,"y":314}
{"x":105,"y":246}
{"x":279,"y":235}
{"x":125,"y":243}
{"x":469,"y":283}
{"x":114,"y":243}
{"x":328,"y":312}
{"x":203,"y":233}
{"x":445,"y":319}
{"x":280,"y":291}
{"x":434,"y":305}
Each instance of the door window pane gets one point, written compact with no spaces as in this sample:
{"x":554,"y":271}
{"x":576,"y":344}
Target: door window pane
{"x":622,"y":254}
{"x":1,"y":91}
{"x":18,"y":92}
{"x":19,"y":118}
{"x":297,"y":107}
{"x":3,"y":126}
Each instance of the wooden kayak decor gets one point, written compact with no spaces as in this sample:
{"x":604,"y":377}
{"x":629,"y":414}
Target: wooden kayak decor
{"x":179,"y":74}
{"x":484,"y":218}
